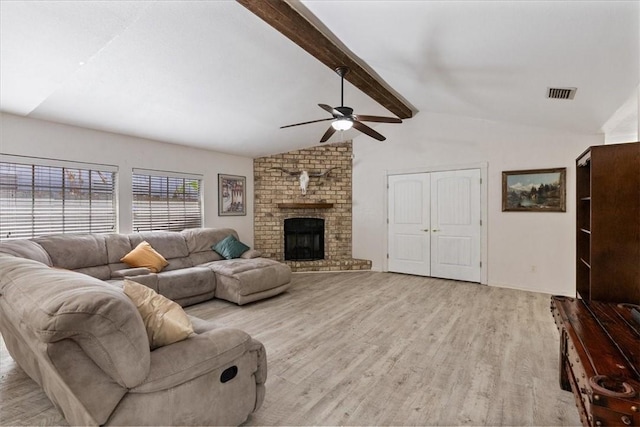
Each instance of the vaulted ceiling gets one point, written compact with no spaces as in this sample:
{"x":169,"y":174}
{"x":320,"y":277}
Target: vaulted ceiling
{"x":211,"y":74}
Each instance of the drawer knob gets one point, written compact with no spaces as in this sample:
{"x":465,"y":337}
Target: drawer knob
{"x":626,"y":420}
{"x":634,"y":408}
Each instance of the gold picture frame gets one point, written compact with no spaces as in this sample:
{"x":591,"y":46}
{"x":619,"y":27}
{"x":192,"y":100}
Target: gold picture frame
{"x":534,"y":190}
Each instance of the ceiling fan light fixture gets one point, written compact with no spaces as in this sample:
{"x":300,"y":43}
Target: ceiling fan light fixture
{"x":342,"y":124}
{"x":344,"y":119}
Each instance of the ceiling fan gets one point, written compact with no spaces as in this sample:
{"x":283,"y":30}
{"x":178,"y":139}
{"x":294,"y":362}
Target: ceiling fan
{"x":343,"y":117}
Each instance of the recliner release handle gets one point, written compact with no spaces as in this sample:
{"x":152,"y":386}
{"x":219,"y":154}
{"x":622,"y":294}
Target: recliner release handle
{"x":228,"y":374}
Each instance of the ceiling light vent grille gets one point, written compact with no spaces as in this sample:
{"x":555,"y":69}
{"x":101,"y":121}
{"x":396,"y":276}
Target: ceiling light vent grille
{"x":561,"y":92}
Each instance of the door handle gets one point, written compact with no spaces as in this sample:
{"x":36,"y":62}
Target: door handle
{"x":435,"y":230}
{"x":425,"y":229}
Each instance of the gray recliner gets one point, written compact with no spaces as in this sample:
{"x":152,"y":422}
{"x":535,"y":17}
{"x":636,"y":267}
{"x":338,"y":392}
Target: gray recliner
{"x":84,"y":342}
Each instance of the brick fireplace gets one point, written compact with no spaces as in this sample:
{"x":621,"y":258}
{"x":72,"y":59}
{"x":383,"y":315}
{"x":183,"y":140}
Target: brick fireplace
{"x":278,"y":197}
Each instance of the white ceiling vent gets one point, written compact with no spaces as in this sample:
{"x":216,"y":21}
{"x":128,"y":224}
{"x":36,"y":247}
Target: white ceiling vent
{"x":561,"y":92}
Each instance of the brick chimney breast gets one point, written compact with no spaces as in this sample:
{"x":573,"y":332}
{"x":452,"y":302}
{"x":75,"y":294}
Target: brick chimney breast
{"x":274,"y":185}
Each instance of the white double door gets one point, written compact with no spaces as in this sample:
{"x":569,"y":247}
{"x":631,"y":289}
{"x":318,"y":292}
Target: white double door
{"x":435,"y":224}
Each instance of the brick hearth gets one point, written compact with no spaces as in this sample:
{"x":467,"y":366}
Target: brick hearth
{"x":278,"y":197}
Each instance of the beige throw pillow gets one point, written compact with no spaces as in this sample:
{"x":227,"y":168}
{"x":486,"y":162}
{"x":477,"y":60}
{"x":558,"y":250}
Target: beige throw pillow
{"x":145,"y":256}
{"x":165,"y":321}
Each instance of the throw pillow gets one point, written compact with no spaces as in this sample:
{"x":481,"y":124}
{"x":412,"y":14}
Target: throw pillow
{"x":145,"y":256}
{"x":165,"y":321}
{"x":230,"y":247}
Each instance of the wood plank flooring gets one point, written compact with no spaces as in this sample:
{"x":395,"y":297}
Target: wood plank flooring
{"x":372,"y":348}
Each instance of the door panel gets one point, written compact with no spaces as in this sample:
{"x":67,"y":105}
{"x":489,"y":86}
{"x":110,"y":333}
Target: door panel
{"x":455,"y":224}
{"x":409,"y":248}
{"x":454,"y":250}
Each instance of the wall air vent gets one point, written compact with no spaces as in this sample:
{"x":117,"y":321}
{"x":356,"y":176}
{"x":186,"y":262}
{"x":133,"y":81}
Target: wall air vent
{"x":561,"y":92}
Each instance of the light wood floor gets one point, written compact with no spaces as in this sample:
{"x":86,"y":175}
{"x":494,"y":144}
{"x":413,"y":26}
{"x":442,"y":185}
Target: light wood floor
{"x":373,"y":348}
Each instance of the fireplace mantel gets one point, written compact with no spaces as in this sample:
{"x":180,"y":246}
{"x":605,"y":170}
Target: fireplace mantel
{"x":307,"y":205}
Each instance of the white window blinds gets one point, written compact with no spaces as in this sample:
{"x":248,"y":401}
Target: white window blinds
{"x":166,"y":201}
{"x":41,"y":199}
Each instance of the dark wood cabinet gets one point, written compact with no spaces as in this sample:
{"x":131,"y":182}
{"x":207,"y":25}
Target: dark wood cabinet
{"x":599,"y":335}
{"x":600,"y":360}
{"x":608,"y":223}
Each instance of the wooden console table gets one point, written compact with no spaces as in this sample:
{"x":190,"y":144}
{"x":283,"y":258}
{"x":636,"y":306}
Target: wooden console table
{"x":599,"y":360}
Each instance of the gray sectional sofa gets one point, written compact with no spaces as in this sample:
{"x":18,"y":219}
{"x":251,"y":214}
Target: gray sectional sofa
{"x":195,"y":272}
{"x":83,"y":340}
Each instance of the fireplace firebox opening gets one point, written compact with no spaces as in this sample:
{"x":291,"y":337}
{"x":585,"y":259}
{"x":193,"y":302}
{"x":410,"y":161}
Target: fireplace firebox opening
{"x":303,"y":239}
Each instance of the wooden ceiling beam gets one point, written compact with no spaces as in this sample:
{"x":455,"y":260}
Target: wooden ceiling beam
{"x":288,"y":21}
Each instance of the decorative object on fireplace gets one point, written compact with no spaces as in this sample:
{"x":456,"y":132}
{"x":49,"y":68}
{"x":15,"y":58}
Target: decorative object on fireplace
{"x":304,"y":181}
{"x":303,"y":176}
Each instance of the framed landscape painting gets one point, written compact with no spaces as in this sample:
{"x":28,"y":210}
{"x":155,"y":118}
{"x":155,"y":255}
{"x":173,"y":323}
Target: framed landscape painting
{"x":232,"y":197}
{"x":534,"y":190}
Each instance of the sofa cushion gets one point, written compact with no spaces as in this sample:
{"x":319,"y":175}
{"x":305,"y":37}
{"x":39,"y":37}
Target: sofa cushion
{"x":26,"y":249}
{"x":169,"y":244}
{"x":249,"y":276}
{"x":101,"y":272}
{"x":198,"y":258}
{"x":74,"y":251}
{"x":118,"y":245}
{"x":57,"y":304}
{"x":149,"y":280}
{"x":178,"y":263}
{"x":202,"y":239}
{"x":230,"y":247}
{"x":145,"y":256}
{"x":187,"y":282}
{"x":128,"y":272}
{"x":165,"y":321}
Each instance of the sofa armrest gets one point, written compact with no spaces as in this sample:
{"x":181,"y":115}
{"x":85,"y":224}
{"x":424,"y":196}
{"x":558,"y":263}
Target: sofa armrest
{"x":199,"y":354}
{"x":129,"y":272}
{"x":251,"y":253}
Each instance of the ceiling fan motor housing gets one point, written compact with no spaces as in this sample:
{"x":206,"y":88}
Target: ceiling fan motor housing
{"x":346,"y":111}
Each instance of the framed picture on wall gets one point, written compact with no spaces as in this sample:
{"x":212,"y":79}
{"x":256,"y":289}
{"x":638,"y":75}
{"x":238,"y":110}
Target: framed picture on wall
{"x":232,"y":195}
{"x":534,"y":190}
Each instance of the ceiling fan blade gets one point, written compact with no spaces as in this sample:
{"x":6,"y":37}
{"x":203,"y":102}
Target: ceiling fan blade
{"x":306,"y":123}
{"x":331,"y":110}
{"x":367,"y":130}
{"x":328,"y":134}
{"x":379,"y":119}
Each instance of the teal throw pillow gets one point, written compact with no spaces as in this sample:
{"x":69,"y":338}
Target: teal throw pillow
{"x":230,"y":247}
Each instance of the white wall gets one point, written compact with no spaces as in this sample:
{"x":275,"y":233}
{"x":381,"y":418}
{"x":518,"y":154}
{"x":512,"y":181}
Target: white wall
{"x":37,"y":138}
{"x":624,"y":125}
{"x":530,"y":251}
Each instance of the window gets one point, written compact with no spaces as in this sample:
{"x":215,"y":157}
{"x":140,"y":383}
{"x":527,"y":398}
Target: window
{"x":166,"y":201}
{"x":40,"y":197}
